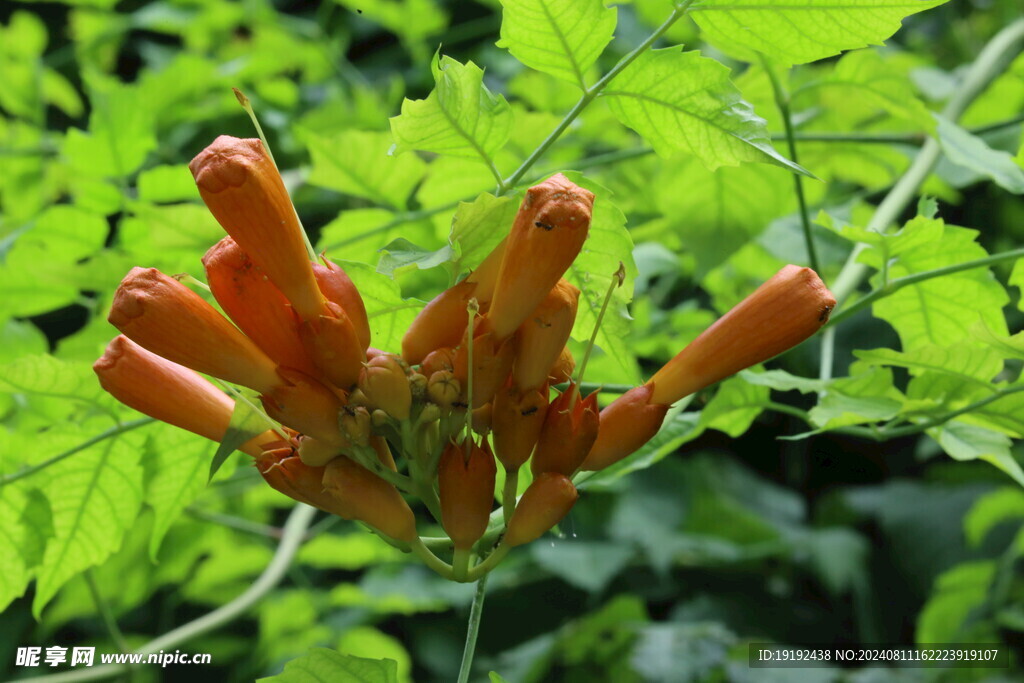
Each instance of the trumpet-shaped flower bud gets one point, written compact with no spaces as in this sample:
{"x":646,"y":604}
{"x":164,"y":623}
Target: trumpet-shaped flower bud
{"x":563,"y":368}
{"x":543,"y":334}
{"x":166,"y":317}
{"x":546,"y":501}
{"x":245,"y":193}
{"x":168,"y":392}
{"x":569,"y":431}
{"x":285,"y":472}
{"x":337,"y":286}
{"x":315,"y":453}
{"x":548,"y":233}
{"x":781,"y":313}
{"x":492,"y":362}
{"x":441,"y":323}
{"x":443,"y":389}
{"x":305,"y":405}
{"x":466,"y":488}
{"x":380,"y":445}
{"x":255,"y":304}
{"x":627,"y":423}
{"x":384,"y":383}
{"x":517,"y":422}
{"x":438,"y":360}
{"x":368,"y":498}
{"x":333,"y":343}
{"x":481,"y":418}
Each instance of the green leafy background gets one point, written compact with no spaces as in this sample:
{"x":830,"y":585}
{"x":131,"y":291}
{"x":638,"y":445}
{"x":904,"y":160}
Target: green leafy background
{"x":879,"y":501}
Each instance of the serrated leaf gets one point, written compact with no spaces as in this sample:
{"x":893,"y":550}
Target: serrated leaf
{"x":176,"y":473}
{"x":94,"y":498}
{"x":478,"y":227}
{"x":46,"y":376}
{"x":320,"y":665}
{"x":24,"y":530}
{"x":963,"y":441}
{"x":389,"y":314}
{"x":965,"y":361}
{"x":559,"y":37}
{"x":780,"y":380}
{"x":683,"y":102}
{"x":867,"y":395}
{"x":359,"y":163}
{"x":970,"y":151}
{"x":735,"y":406}
{"x":608,"y":244}
{"x":400,"y":255}
{"x":459,"y":118}
{"x":801,"y":31}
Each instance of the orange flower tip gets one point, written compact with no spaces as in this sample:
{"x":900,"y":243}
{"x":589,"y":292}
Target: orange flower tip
{"x":226,"y":163}
{"x":316,"y":453}
{"x":546,"y":502}
{"x":129,"y":300}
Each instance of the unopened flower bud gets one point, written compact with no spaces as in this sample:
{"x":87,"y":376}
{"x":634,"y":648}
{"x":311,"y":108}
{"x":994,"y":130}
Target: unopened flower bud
{"x":492,"y":362}
{"x":418,"y":386}
{"x":286,"y":472}
{"x":441,"y":323}
{"x":563,"y":368}
{"x":569,"y":431}
{"x":355,"y":423}
{"x":466,"y":488}
{"x":438,"y":360}
{"x":368,"y":498}
{"x":244,"y":192}
{"x":357,"y":398}
{"x":781,"y":313}
{"x":443,"y":389}
{"x":517,"y":421}
{"x":385,"y":384}
{"x":545,"y":503}
{"x":255,"y":304}
{"x":337,"y":286}
{"x":169,"y":319}
{"x":548,"y":233}
{"x":627,"y":423}
{"x":168,"y":392}
{"x":334,"y":346}
{"x":542,"y":336}
{"x":429,"y":413}
{"x":379,"y":418}
{"x":316,"y":453}
{"x":307,"y":406}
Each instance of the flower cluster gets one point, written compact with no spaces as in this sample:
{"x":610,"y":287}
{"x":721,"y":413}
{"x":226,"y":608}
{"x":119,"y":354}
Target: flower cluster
{"x":362,"y":431}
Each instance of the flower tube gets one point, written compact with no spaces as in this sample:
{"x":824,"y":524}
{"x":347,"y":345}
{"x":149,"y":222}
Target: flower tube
{"x":543,"y":334}
{"x":244,"y":191}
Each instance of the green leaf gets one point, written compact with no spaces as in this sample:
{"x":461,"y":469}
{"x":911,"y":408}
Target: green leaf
{"x":968,"y":150}
{"x":360,"y":163}
{"x":478,"y":227}
{"x":957,"y":593}
{"x":868,"y":395}
{"x":94,"y":498}
{"x":496,"y":677}
{"x":375,"y":644}
{"x":121,"y":132}
{"x":412,"y":20}
{"x":401,"y":255}
{"x":590,"y":565}
{"x":459,"y":118}
{"x":964,"y":361}
{"x":24,"y":529}
{"x":801,"y":31}
{"x":559,"y":37}
{"x":389,"y":314}
{"x":350,"y":551}
{"x":991,"y":509}
{"x":942,"y":310}
{"x":46,"y":376}
{"x":320,"y":665}
{"x":245,"y":424}
{"x":167,"y":183}
{"x":63,"y":234}
{"x":608,"y":244}
{"x":735,"y":406}
{"x":780,"y":380}
{"x":723,"y":209}
{"x":963,"y":441}
{"x":683,"y":102}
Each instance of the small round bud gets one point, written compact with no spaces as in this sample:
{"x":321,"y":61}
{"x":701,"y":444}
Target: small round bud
{"x":355,"y":422}
{"x":386,"y":385}
{"x":418,"y":386}
{"x":379,"y":418}
{"x":443,"y":389}
{"x":437,"y":360}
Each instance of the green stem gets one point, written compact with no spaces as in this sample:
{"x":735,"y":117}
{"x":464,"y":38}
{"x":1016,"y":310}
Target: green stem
{"x":430,"y":559}
{"x":112,"y":432}
{"x":103,"y":608}
{"x":899,"y":283}
{"x":508,"y":494}
{"x":460,"y":563}
{"x":232,"y":522}
{"x":472,"y":630}
{"x":782,"y":102}
{"x":942,"y":419}
{"x":589,"y":95}
{"x":989,"y":64}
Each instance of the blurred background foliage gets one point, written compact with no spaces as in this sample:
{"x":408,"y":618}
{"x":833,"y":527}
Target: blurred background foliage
{"x":664,"y":575}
